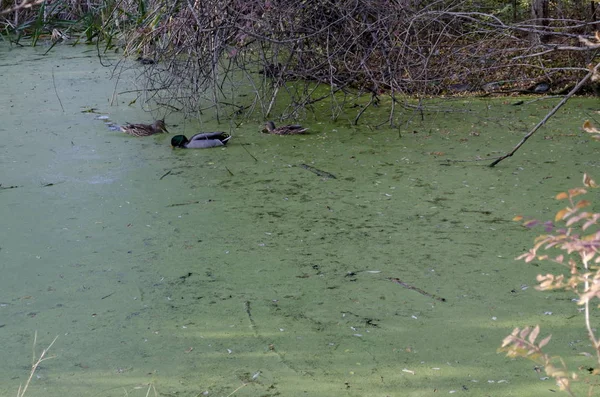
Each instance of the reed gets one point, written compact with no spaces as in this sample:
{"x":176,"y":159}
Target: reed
{"x":36,"y":361}
{"x":94,"y":21}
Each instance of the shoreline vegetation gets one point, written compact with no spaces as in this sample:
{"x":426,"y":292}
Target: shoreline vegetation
{"x":294,"y":56}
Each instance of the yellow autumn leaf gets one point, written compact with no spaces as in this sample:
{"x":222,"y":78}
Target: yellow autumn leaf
{"x":562,"y":196}
{"x":561,"y":214}
{"x":589,"y":237}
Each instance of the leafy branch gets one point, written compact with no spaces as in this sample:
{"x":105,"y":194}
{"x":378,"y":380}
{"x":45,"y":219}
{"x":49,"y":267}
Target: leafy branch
{"x":521,"y":343}
{"x":579,"y":241}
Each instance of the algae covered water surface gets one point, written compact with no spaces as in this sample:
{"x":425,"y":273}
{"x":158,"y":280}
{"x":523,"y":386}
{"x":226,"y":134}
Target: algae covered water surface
{"x":350,"y":261}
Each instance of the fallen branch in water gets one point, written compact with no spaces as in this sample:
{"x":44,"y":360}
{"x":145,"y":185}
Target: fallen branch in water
{"x":165,"y":175}
{"x":180,"y":204}
{"x":317,"y":171}
{"x":244,"y":147}
{"x":56,"y":91}
{"x":419,"y":290}
{"x":588,"y":76}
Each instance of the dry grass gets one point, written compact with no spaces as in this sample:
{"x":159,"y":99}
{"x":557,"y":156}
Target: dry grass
{"x":36,"y":361}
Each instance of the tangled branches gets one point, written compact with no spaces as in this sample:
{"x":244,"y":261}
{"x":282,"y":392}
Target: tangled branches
{"x":209,"y":54}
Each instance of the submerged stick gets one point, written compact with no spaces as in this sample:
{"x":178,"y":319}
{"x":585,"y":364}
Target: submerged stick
{"x":56,"y":92}
{"x":249,"y":313}
{"x":317,"y":171}
{"x":419,"y":290}
{"x":165,"y":175}
{"x":180,"y":204}
{"x":550,"y":114}
{"x":244,"y":147}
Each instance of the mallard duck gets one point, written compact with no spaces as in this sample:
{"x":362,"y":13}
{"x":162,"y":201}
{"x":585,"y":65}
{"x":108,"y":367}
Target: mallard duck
{"x":283,"y":130}
{"x":145,"y":129}
{"x":201,"y":141}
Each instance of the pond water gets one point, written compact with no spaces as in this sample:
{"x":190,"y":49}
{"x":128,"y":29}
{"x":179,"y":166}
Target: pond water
{"x":238,"y":271}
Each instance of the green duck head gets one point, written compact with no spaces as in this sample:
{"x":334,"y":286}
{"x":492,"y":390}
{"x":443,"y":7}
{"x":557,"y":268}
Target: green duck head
{"x":179,"y":141}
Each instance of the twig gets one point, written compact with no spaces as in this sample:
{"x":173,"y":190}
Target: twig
{"x":36,"y":363}
{"x":180,"y":204}
{"x":550,"y":114}
{"x":558,"y":48}
{"x":419,"y":290}
{"x":114,"y":96}
{"x":160,"y":179}
{"x":446,"y":161}
{"x":244,"y":146}
{"x":56,"y":92}
{"x":249,"y":313}
{"x":373,"y":99}
{"x":151,"y":386}
{"x":235,"y":391}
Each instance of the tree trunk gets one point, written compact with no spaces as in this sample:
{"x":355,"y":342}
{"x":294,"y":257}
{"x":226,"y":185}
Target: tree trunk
{"x":539,"y":15}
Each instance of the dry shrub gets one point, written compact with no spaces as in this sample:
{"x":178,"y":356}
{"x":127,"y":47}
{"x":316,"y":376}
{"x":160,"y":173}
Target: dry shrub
{"x":207,"y":52}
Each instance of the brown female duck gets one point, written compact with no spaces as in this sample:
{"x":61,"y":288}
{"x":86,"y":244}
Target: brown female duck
{"x":145,"y":129}
{"x":283,"y":130}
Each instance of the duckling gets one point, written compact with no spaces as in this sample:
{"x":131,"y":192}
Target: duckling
{"x":145,"y":129}
{"x":201,"y":141}
{"x":283,"y":130}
